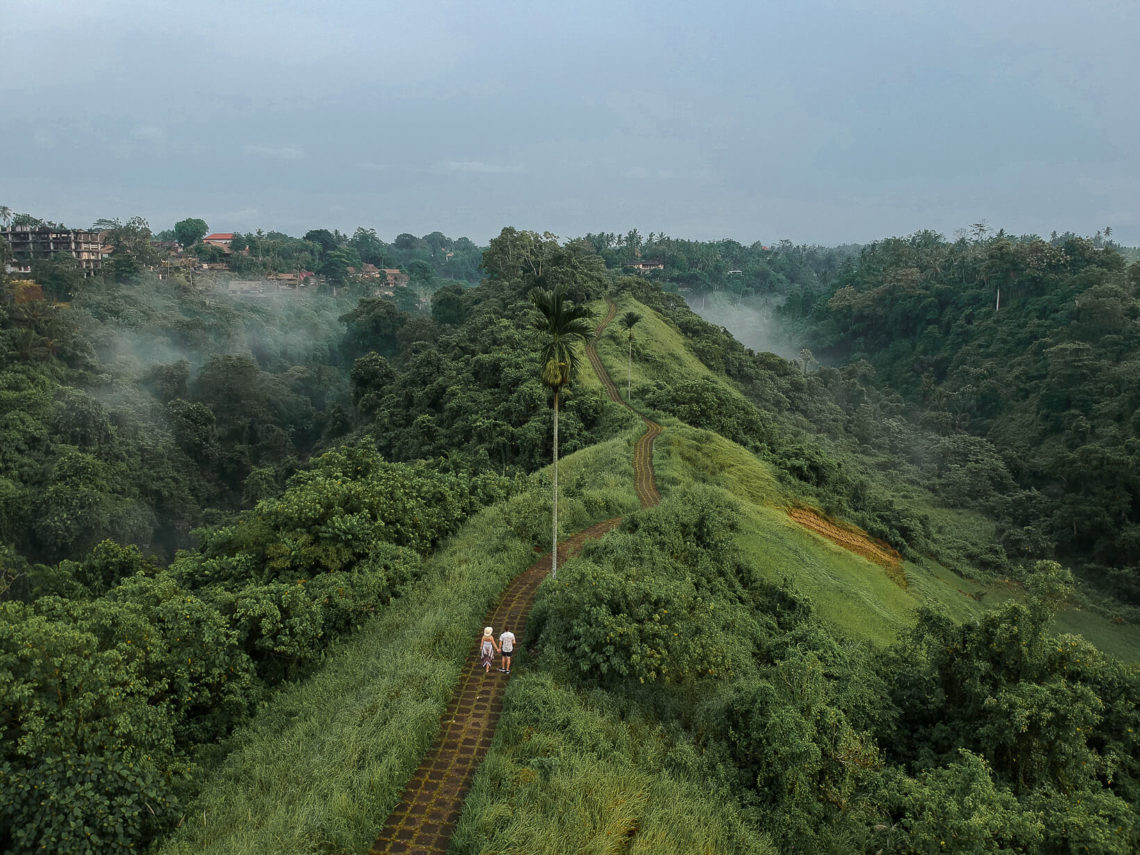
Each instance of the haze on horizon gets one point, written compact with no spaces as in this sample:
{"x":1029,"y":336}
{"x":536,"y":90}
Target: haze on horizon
{"x":814,"y":121}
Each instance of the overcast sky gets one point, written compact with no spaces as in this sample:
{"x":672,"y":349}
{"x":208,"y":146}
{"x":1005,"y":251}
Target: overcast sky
{"x":819,"y":122}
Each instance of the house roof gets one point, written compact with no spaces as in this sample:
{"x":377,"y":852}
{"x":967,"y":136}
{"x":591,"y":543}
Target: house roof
{"x":220,"y":236}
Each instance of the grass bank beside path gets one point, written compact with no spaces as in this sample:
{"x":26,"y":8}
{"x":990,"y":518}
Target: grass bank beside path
{"x":322,"y":766}
{"x":660,"y":351}
{"x":855,"y":597}
{"x":571,"y":774}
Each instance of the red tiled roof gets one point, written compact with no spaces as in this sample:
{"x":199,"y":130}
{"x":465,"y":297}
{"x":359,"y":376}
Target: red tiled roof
{"x":220,"y":236}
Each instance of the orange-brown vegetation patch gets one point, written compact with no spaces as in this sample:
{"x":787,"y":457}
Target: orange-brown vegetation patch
{"x":26,"y":291}
{"x":853,"y":539}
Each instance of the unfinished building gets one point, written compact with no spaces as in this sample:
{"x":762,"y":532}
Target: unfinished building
{"x":37,"y":243}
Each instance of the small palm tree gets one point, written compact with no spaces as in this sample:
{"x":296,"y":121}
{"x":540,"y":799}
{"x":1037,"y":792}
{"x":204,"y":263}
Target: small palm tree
{"x":628,"y":322}
{"x":563,"y":327}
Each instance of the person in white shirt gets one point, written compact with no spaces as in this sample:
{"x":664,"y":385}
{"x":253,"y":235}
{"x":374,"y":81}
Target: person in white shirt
{"x":507,"y":647}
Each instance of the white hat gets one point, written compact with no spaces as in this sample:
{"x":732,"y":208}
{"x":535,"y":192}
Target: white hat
{"x":488,"y":631}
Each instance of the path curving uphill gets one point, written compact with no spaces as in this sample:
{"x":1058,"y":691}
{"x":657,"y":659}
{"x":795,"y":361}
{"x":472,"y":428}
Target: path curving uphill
{"x":646,"y":485}
{"x":429,"y":808}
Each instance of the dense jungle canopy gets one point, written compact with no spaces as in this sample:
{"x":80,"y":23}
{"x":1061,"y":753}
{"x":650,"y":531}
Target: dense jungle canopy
{"x":203,"y":496}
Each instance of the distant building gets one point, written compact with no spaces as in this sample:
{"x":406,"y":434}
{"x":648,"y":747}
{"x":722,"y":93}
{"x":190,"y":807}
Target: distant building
{"x":222,"y":239}
{"x":646,"y":266}
{"x":292,"y":280}
{"x":396,"y":278}
{"x":39,"y":243}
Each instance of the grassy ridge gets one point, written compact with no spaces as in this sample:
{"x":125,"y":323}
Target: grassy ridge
{"x":846,"y":590}
{"x":578,"y":769}
{"x":326,"y":760}
{"x":659,"y":350}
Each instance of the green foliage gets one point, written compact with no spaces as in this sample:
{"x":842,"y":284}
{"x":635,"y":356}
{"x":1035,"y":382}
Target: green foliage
{"x":189,"y":231}
{"x":959,"y":808}
{"x":1034,"y":394}
{"x":562,"y":327}
{"x":1054,"y":719}
{"x":639,"y":607}
{"x":790,"y":734}
{"x":84,"y":750}
{"x":132,"y":252}
{"x":709,"y":405}
{"x":84,"y":803}
{"x":348,"y":503}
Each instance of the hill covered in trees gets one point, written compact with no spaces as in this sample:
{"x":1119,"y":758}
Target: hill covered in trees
{"x":1020,"y":356}
{"x":285,"y":517}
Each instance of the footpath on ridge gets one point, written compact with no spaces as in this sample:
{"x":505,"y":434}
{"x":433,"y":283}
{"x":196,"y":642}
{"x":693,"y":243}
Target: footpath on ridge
{"x":429,"y":808}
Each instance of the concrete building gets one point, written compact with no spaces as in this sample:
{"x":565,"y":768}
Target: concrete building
{"x":38,"y":243}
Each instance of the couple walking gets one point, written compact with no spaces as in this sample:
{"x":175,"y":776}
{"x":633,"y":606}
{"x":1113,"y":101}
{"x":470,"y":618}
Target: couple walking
{"x":488,"y":647}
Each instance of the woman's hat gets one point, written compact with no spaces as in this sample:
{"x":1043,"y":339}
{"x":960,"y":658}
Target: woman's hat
{"x":487,"y":630}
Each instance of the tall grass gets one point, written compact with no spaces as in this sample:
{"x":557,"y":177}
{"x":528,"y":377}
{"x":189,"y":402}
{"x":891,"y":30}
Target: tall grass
{"x":326,"y":759}
{"x":569,"y":773}
{"x":659,"y":349}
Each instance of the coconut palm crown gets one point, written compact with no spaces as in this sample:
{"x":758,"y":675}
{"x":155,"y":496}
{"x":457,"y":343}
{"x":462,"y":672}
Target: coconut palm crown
{"x":563,"y":327}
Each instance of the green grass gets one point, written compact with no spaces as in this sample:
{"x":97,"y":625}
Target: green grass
{"x":853,"y":595}
{"x":324,"y":763}
{"x":568,"y":773}
{"x":659,"y":349}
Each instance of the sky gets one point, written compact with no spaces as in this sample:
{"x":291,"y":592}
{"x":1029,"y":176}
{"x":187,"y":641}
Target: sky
{"x":817,"y":122}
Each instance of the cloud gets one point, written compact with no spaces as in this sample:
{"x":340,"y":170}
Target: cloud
{"x":640,"y":173}
{"x":149,"y":133}
{"x":274,"y":152}
{"x":477,"y":167}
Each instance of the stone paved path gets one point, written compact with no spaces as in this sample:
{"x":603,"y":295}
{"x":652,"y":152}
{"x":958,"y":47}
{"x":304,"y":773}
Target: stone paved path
{"x":429,"y":809}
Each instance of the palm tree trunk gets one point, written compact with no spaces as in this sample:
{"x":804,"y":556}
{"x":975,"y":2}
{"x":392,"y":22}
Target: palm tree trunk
{"x":554,"y":525}
{"x":629,"y":370}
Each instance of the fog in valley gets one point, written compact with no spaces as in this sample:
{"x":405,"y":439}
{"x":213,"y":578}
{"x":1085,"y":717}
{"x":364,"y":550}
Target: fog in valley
{"x":751,"y":320}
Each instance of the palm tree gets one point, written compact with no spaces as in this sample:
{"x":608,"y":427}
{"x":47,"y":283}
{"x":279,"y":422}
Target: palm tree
{"x":563,"y":327}
{"x":628,"y":322}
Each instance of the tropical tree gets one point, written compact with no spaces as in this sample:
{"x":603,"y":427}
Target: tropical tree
{"x":563,"y":326}
{"x":5,"y":214}
{"x":189,"y":231}
{"x":628,"y":322}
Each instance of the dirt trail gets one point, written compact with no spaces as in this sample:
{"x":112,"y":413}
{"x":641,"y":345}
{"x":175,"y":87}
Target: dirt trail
{"x":854,"y":540}
{"x":646,"y":485}
{"x":429,"y":809}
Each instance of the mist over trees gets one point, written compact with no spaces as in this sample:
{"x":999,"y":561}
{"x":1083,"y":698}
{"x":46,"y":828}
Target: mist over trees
{"x":200,"y":493}
{"x":1032,"y":397}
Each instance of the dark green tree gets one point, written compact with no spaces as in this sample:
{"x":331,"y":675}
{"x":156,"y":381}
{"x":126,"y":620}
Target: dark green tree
{"x":188,"y":232}
{"x":132,"y":252}
{"x":322,"y":238}
{"x":447,"y":305}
